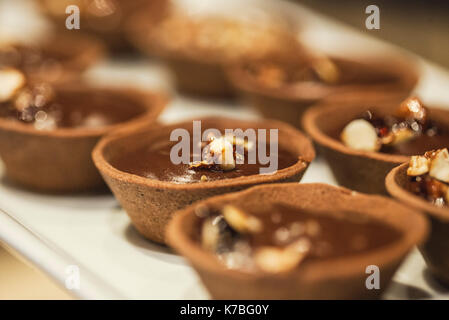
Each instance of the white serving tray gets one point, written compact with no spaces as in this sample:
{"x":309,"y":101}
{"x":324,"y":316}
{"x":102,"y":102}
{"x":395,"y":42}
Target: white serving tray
{"x":94,"y":233}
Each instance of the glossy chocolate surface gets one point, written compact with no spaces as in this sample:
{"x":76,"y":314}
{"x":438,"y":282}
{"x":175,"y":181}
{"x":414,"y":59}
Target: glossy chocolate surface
{"x":154,"y":162}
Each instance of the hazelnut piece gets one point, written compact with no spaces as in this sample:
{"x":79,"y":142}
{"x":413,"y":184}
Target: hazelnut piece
{"x":359,"y":134}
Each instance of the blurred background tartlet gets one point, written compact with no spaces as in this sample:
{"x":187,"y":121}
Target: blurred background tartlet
{"x":285,"y":89}
{"x":47,"y":131}
{"x":58,"y":57}
{"x":105,"y":19}
{"x":198,"y":47}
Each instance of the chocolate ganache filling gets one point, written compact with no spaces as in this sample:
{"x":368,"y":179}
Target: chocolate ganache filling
{"x":46,"y":107}
{"x":219,"y":161}
{"x":408,"y":131}
{"x":281,"y":237}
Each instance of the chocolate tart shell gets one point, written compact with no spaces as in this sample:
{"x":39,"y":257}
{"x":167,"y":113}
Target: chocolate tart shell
{"x":288,"y":103}
{"x":435,"y":250}
{"x":198,"y":72}
{"x":196,"y":77}
{"x":339,"y":278}
{"x":358,"y":170}
{"x":151,"y":203}
{"x":59,"y":160}
{"x":79,"y":52}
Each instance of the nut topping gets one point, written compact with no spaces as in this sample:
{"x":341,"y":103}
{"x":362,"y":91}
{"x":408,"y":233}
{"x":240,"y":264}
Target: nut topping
{"x":222,"y":153}
{"x":326,"y":70}
{"x":398,"y":136}
{"x":418,"y":165}
{"x":276,"y":260}
{"x":429,"y":176}
{"x":11,"y":81}
{"x":240,"y":220}
{"x":439,"y":166}
{"x":408,"y":122}
{"x":210,"y":234}
{"x":412,"y":108}
{"x":359,"y":134}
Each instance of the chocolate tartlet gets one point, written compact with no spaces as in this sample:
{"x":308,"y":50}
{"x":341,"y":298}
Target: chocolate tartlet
{"x":47,"y":133}
{"x":362,"y":142}
{"x":285,"y":89}
{"x":105,"y":20}
{"x":197,"y":48}
{"x":59,"y":58}
{"x":149,"y":185}
{"x":422,"y":184}
{"x":295,"y":241}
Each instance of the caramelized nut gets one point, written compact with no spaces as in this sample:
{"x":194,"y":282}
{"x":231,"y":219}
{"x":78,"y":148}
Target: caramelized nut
{"x":418,"y":165}
{"x":399,"y":136}
{"x":199,"y":164}
{"x":439,"y":166}
{"x":11,"y":80}
{"x":360,"y":135}
{"x":276,"y":260}
{"x":412,"y":108}
{"x":240,"y":221}
{"x":223,"y":151}
{"x":326,"y":70}
{"x":210,"y":234}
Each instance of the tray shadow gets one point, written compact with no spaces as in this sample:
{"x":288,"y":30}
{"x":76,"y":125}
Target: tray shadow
{"x":151,"y":248}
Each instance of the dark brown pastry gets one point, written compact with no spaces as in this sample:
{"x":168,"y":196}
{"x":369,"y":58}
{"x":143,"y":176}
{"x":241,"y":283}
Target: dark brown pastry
{"x":295,"y":241}
{"x":137,"y":167}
